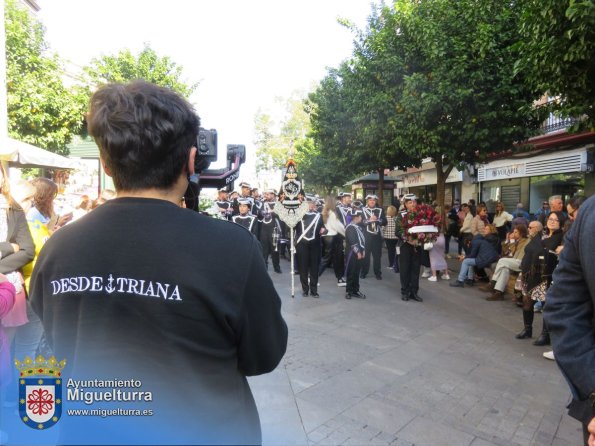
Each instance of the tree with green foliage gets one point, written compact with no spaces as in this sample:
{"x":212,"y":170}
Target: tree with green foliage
{"x":41,"y":110}
{"x":557,"y":54}
{"x":147,"y":65}
{"x":330,"y":159}
{"x":271,"y":148}
{"x":459,"y":99}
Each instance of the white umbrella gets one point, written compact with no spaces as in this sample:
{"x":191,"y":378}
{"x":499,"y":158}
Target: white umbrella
{"x":21,"y":154}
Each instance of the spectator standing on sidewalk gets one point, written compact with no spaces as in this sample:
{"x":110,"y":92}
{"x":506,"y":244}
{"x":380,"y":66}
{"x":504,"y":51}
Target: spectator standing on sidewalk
{"x":570,"y":317}
{"x":390,"y":238}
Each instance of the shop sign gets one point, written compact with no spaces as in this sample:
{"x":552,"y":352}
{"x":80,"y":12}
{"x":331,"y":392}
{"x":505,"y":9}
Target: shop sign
{"x":510,"y":171}
{"x":387,"y":185}
{"x":429,"y":177}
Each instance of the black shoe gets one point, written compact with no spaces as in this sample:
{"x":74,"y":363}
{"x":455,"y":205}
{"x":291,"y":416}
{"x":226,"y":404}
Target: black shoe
{"x":278,"y":270}
{"x":469,"y":282}
{"x":305,"y":294}
{"x":404,"y":298}
{"x":457,"y":283}
{"x":359,"y":295}
{"x":415,"y":297}
{"x":378,"y":277}
{"x":315,"y":294}
{"x":362,"y":276}
{"x":543,"y":339}
{"x":525,"y":334}
{"x":348,"y":296}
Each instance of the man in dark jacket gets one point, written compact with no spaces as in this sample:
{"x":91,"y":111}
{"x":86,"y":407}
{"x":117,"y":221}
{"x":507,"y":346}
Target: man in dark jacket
{"x":570,"y":317}
{"x":132,"y":297}
{"x":484,"y":252}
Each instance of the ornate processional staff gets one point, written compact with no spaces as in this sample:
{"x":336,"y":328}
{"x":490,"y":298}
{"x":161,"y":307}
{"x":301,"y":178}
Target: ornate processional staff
{"x":291,"y":208}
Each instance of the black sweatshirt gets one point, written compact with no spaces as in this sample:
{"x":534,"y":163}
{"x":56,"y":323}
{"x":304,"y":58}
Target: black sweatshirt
{"x":142,"y":289}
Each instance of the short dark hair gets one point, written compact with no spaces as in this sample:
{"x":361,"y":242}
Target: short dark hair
{"x":144,"y":133}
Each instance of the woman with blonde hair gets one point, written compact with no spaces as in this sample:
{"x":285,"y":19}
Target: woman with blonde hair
{"x":330,"y":239}
{"x":501,"y":220}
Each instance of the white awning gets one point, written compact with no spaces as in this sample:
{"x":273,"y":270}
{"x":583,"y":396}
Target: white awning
{"x":21,"y":154}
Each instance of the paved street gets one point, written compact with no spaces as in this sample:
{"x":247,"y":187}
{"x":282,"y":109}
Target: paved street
{"x":382,"y":371}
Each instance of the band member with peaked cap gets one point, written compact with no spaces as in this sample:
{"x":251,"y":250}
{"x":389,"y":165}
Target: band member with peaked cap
{"x":246,"y":194}
{"x":245,"y":218}
{"x":356,"y":251}
{"x":374,"y":219}
{"x":343,"y":211}
{"x":141,"y":297}
{"x":308,"y":233}
{"x":409,"y":258}
{"x":270,"y":230}
{"x":223,"y":204}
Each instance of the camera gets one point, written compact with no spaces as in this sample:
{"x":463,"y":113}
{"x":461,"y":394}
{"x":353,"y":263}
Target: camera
{"x":206,"y":145}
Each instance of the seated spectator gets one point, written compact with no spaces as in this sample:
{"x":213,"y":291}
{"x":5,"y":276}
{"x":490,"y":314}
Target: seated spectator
{"x":483,"y":252}
{"x":512,"y":262}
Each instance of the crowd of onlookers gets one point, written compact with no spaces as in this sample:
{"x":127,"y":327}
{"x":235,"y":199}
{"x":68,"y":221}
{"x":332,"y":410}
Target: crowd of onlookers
{"x":515,"y":253}
{"x":30,"y":212}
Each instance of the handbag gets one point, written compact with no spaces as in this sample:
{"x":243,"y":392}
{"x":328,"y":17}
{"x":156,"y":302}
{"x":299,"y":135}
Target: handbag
{"x":18,"y":315}
{"x":539,"y":292}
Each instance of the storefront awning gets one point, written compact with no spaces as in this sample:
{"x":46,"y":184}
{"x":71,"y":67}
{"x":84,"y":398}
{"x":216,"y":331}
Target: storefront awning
{"x":21,"y":154}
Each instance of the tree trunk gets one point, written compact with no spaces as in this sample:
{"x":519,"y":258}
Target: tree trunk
{"x":441,"y":176}
{"x":380,"y":186}
{"x":440,"y":182}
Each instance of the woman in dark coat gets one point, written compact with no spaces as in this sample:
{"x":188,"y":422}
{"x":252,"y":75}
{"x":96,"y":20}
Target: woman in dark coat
{"x":537,"y":266}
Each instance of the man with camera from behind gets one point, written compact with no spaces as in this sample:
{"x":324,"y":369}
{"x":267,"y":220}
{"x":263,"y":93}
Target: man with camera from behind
{"x":133,"y":290}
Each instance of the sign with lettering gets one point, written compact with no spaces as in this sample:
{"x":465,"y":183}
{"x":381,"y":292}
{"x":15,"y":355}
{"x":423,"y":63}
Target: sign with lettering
{"x":510,"y":171}
{"x":429,"y":177}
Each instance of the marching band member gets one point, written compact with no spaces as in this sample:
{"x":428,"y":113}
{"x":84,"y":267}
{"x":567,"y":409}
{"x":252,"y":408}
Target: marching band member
{"x":308,"y":233}
{"x":269,"y":226}
{"x":374,"y":219}
{"x":244,"y":218}
{"x":356,"y":251}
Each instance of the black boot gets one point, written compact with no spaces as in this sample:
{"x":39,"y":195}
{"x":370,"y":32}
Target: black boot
{"x":544,"y":337}
{"x":528,"y":322}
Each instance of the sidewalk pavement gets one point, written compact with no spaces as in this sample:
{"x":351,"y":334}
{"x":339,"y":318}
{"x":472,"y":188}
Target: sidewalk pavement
{"x":381,"y":371}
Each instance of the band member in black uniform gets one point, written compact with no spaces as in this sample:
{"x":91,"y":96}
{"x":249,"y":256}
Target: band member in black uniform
{"x":223,"y":204}
{"x":270,"y":230}
{"x":409,"y":258}
{"x":308,"y":233}
{"x":343,"y":211}
{"x":256,"y":201}
{"x":356,"y":252}
{"x":246,"y":194}
{"x":245,"y":218}
{"x":374,"y":219}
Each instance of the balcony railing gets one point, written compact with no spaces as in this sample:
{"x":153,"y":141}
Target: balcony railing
{"x":554,"y":123}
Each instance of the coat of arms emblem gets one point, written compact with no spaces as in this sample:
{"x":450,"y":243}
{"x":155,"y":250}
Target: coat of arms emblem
{"x":40,"y":391}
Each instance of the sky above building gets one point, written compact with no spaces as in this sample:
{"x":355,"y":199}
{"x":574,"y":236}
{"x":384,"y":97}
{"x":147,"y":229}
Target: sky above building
{"x":244,"y":54}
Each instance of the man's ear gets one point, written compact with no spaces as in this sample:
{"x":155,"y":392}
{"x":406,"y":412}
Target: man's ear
{"x":191,"y":159}
{"x":104,"y":166}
